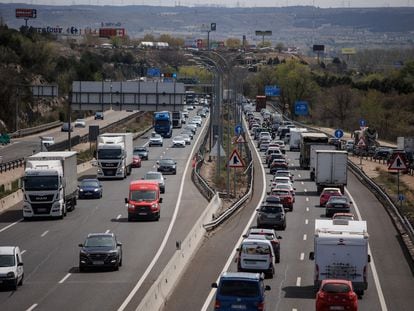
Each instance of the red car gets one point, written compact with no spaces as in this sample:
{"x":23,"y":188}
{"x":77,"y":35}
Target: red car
{"x":136,"y":161}
{"x":336,"y":295}
{"x":285,"y":197}
{"x":327,"y":193}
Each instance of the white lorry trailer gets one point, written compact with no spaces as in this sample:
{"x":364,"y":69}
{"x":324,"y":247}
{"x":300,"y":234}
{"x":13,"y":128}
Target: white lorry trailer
{"x":341,"y":252}
{"x":313,"y":148}
{"x":295,"y":137}
{"x":331,"y":169}
{"x":50,"y":184}
{"x":114,"y":155}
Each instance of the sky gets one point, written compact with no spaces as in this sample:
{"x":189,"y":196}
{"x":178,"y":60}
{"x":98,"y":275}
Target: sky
{"x":227,"y":3}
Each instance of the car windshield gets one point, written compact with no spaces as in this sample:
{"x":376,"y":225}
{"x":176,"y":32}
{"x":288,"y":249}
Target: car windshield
{"x":109,"y":154}
{"x":336,"y":288}
{"x":140,"y":195}
{"x":279,"y":192}
{"x":271,"y":209}
{"x":6,"y":260}
{"x":156,"y":136}
{"x":239,"y":288}
{"x":90,"y":183}
{"x":99,"y":241}
{"x":153,"y":176}
{"x":140,"y":149}
{"x":167,"y":162}
{"x":338,"y":200}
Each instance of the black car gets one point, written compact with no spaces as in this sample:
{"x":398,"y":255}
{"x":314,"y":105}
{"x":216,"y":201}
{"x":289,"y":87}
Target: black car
{"x":99,"y":115}
{"x":142,"y":152}
{"x":90,"y":188}
{"x":167,"y":166}
{"x":337,"y":204}
{"x":101,"y":250}
{"x":382,"y":153}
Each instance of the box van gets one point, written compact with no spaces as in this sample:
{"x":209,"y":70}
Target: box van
{"x":11,"y":266}
{"x":241,"y":291}
{"x":256,"y":256}
{"x":144,"y":200}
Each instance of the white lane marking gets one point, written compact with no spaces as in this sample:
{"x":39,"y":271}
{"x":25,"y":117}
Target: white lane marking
{"x":306,"y":221}
{"x":305,"y":190}
{"x":307,"y":209}
{"x":168,"y":233}
{"x":372,"y":264}
{"x":307,"y":199}
{"x":107,"y":231}
{"x":302,"y":256}
{"x":305,"y":237}
{"x":119,"y":216}
{"x":298,"y":281}
{"x":11,"y":225}
{"x":23,"y":251}
{"x":44,"y":233}
{"x":230,"y":259}
{"x":32,"y":307}
{"x":299,"y":176}
{"x":294,"y":309}
{"x":64,"y":278}
{"x":302,"y":183}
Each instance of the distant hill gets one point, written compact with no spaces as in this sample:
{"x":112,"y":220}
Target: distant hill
{"x":291,"y":25}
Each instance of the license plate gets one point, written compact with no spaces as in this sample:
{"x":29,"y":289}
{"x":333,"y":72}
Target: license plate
{"x":98,"y":262}
{"x":142,"y":214}
{"x":271,"y":216}
{"x":41,"y":209}
{"x":238,"y":307}
{"x":88,"y":193}
{"x":336,"y":308}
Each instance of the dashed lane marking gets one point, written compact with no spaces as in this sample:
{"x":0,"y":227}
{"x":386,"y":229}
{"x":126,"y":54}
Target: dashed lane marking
{"x":305,"y":237}
{"x":302,"y":256}
{"x":298,"y":281}
{"x":44,"y":233}
{"x":65,"y":278}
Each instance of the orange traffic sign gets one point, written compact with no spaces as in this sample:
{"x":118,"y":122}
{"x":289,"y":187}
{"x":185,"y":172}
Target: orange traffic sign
{"x":361,"y":143}
{"x":235,"y":159}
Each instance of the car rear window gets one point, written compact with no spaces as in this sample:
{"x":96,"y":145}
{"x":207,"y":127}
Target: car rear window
{"x":336,"y":288}
{"x":256,"y":249}
{"x":271,"y":209}
{"x":239,"y":288}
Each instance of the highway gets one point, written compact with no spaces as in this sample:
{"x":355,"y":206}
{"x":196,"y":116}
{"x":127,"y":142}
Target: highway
{"x":51,"y":253}
{"x":390,"y":282}
{"x":25,"y":146}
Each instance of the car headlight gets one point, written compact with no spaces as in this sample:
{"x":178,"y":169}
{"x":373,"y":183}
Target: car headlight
{"x":10,"y":275}
{"x":96,"y":190}
{"x":81,"y":190}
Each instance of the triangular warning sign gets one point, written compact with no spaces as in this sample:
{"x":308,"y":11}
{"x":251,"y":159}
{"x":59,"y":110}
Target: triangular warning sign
{"x":361,"y":142}
{"x":240,"y":140}
{"x":235,"y":160}
{"x":397,"y":162}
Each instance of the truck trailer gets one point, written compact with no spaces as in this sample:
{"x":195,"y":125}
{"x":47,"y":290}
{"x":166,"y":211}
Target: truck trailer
{"x":341,"y":252}
{"x":312,"y":163}
{"x":307,"y":139}
{"x":331,"y":169}
{"x":114,"y":155}
{"x":260,"y":102}
{"x":50,"y":184}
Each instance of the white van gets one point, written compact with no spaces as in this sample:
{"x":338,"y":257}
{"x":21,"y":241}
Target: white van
{"x":11,"y":266}
{"x":256,"y":255}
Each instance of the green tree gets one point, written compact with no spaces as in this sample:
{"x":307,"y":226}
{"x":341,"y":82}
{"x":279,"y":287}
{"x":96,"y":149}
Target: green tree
{"x":279,"y":47}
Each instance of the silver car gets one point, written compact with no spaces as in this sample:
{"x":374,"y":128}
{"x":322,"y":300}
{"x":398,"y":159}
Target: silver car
{"x":157,"y":176}
{"x":156,"y":140}
{"x":178,"y":141}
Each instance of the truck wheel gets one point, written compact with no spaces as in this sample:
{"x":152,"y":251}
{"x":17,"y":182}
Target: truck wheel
{"x":21,"y":281}
{"x":15,"y":284}
{"x":129,"y":218}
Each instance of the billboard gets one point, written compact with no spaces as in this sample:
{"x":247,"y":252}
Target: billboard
{"x":263,"y":33}
{"x":111,"y":32}
{"x":348,"y":51}
{"x":26,"y":13}
{"x":318,"y":48}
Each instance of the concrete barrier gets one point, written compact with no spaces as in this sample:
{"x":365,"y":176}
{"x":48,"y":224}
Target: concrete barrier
{"x":162,"y":288}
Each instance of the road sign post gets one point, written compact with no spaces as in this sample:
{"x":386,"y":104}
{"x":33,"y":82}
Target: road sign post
{"x":398,"y":162}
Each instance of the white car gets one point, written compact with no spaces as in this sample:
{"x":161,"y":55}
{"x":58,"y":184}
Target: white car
{"x":186,"y":138}
{"x":11,"y":266}
{"x":80,"y":123}
{"x":156,"y":140}
{"x":178,"y":141}
{"x":47,"y":141}
{"x":196,"y":121}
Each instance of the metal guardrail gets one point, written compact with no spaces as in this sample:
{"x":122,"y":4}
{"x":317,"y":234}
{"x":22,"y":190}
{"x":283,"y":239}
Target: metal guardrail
{"x":11,"y":165}
{"x":35,"y":129}
{"x":402,"y":224}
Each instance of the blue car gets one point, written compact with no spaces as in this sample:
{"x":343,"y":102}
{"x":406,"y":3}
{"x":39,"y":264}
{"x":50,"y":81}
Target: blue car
{"x":90,"y":189}
{"x":240,"y":291}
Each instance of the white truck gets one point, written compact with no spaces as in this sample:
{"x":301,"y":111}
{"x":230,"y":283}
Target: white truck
{"x":341,"y":252}
{"x":114,"y":155}
{"x":331,"y":169}
{"x":294,"y":141}
{"x":312,"y":162}
{"x":50,"y":184}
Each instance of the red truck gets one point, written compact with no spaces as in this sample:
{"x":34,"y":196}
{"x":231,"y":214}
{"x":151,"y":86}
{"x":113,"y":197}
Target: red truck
{"x":144,"y":200}
{"x":260,"y":102}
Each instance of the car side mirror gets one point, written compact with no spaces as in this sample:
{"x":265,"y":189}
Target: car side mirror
{"x":312,"y":256}
{"x":160,"y":200}
{"x":126,"y":200}
{"x":268,"y":193}
{"x":20,"y":264}
{"x":350,"y":202}
{"x":279,"y":237}
{"x":369,"y":258}
{"x":214,"y":285}
{"x":119,"y":244}
{"x":267,"y":287}
{"x":244,"y":235}
{"x":80,"y":245}
{"x":257,"y":209}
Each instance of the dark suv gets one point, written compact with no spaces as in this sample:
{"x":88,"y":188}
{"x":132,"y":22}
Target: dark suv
{"x":241,"y":291}
{"x":99,"y":115}
{"x":271,"y":215}
{"x":100,"y":250}
{"x":142,"y":152}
